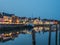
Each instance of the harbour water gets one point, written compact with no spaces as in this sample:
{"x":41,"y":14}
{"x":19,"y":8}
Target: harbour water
{"x":29,"y":37}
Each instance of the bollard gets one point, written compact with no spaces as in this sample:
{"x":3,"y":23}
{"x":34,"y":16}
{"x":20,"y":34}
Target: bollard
{"x":33,"y":37}
{"x":49,"y":38}
{"x":56,"y":35}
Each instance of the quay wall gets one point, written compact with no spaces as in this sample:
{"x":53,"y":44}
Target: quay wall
{"x":11,"y":25}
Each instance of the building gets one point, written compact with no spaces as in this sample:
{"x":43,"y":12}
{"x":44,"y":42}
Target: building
{"x":36,"y":21}
{"x":23,"y":20}
{"x":41,"y":22}
{"x":15,"y":20}
{"x":6,"y":18}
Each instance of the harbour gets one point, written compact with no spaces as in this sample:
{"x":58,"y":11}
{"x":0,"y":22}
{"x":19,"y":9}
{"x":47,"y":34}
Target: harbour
{"x":29,"y":22}
{"x":29,"y":37}
{"x":16,"y":30}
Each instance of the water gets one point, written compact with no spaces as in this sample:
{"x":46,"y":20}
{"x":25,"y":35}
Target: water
{"x":25,"y":38}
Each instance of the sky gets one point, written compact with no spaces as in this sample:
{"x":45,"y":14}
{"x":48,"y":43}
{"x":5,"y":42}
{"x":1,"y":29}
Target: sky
{"x":49,"y":9}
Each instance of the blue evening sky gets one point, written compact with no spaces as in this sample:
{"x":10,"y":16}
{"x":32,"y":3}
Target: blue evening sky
{"x":37,"y":8}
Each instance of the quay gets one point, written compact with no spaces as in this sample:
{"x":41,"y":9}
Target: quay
{"x":12,"y":21}
{"x":24,"y":26}
{"x":14,"y":26}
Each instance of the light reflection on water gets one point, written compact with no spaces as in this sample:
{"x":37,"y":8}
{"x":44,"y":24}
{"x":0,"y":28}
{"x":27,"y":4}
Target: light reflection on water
{"x":25,"y":38}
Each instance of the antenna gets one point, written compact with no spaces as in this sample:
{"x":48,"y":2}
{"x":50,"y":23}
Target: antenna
{"x":32,"y":15}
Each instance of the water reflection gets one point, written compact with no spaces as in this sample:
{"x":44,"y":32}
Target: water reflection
{"x":11,"y":35}
{"x":8,"y":36}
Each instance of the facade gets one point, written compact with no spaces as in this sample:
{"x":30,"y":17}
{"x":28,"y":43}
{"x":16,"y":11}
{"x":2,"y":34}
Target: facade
{"x":23,"y":20}
{"x":8,"y":18}
{"x":41,"y":22}
{"x":12,"y":19}
{"x":36,"y":21}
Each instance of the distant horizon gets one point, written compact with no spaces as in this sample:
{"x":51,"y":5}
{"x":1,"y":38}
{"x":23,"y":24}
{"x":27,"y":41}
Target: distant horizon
{"x":49,"y":9}
{"x":30,"y":17}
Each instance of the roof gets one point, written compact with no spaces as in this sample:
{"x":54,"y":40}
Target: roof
{"x":48,"y":20}
{"x":6,"y":14}
{"x":23,"y":17}
{"x":1,"y":16}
